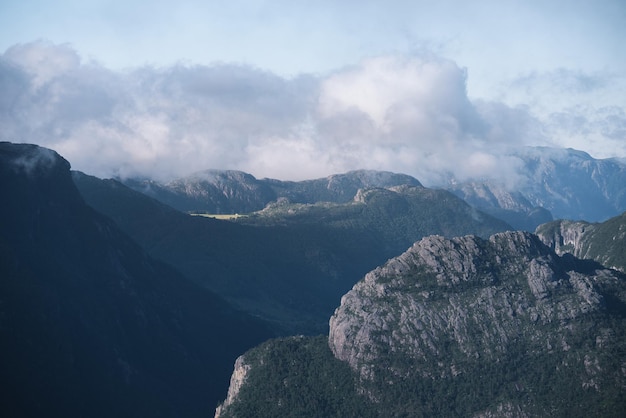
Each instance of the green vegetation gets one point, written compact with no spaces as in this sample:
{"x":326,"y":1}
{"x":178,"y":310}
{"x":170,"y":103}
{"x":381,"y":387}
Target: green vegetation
{"x":397,"y":217}
{"x":298,"y":377}
{"x":606,"y":243}
{"x":546,"y":384}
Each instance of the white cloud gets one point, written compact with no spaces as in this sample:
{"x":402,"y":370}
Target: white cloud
{"x":43,"y":60}
{"x":399,"y":113}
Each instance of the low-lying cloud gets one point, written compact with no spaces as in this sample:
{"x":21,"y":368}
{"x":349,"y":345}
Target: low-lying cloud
{"x":403,"y":114}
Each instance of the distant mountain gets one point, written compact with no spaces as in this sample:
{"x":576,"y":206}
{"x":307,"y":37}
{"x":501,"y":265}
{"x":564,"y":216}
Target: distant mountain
{"x":568,"y":183}
{"x":563,"y":183}
{"x":211,"y":191}
{"x":603,"y":242}
{"x":90,"y":325}
{"x":454,"y":327}
{"x":229,"y":191}
{"x":290,"y":263}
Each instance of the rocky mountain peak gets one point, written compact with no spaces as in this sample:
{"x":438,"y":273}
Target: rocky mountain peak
{"x":464,"y":299}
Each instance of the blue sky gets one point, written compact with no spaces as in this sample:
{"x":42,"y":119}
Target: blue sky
{"x":414,"y":79}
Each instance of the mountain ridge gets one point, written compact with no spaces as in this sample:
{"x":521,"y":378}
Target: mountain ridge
{"x":233,"y":191}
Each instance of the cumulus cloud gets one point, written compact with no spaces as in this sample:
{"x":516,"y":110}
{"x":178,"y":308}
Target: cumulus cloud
{"x":404,"y":114}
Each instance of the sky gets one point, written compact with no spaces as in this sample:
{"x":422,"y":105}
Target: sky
{"x":303,"y":89}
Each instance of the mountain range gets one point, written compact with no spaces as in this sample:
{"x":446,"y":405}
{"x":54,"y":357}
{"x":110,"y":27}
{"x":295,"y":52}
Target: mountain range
{"x":115,"y":300}
{"x":550,"y":182}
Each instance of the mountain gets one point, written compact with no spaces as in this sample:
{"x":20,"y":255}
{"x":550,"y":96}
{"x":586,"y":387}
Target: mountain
{"x":90,"y":325}
{"x":230,"y":191}
{"x":455,"y":327}
{"x":603,"y":242}
{"x":550,"y":182}
{"x":290,"y":263}
{"x":570,"y":184}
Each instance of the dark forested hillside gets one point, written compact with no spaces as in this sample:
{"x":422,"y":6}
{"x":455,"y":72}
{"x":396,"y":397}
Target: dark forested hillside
{"x":290,"y":263}
{"x":90,"y":325}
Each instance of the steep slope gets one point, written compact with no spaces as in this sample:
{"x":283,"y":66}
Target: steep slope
{"x":89,"y":324}
{"x":466,"y":327}
{"x":603,"y":242}
{"x":568,"y":183}
{"x":289,"y":269}
{"x":230,"y":191}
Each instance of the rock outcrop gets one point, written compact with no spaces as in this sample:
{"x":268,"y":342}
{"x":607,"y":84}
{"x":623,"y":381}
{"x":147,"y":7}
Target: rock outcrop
{"x":603,"y":242}
{"x":237,"y":380}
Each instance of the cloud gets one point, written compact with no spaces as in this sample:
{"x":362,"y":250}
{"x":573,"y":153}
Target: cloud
{"x":583,"y":110}
{"x":407,"y":114}
{"x":43,"y":60}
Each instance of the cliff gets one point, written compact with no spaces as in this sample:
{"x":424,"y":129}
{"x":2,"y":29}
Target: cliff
{"x":603,"y":242}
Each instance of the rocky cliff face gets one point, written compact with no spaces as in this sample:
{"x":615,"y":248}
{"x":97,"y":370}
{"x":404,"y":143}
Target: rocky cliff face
{"x":446,"y":308}
{"x":474,"y":295}
{"x":565,"y":236}
{"x":497,"y":200}
{"x":603,"y":242}
{"x":237,"y":379}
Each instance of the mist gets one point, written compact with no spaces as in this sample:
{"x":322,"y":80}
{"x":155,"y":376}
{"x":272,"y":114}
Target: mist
{"x":408,"y":114}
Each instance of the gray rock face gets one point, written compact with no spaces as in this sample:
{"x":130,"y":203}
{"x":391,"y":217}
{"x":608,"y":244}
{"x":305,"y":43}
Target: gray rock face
{"x":602,"y":242}
{"x":446,"y":303}
{"x":565,"y":236}
{"x":237,"y":380}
